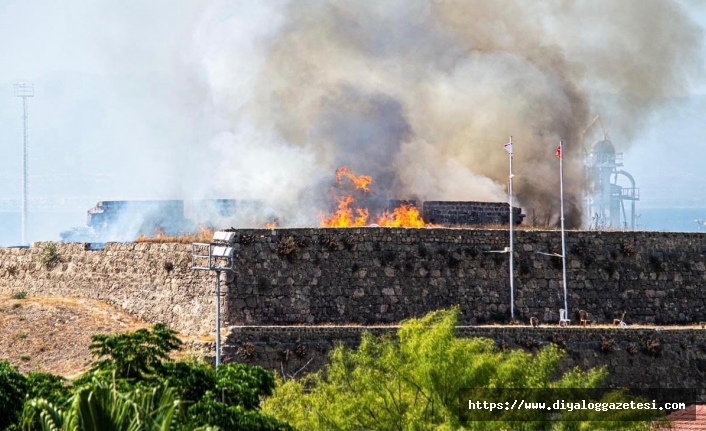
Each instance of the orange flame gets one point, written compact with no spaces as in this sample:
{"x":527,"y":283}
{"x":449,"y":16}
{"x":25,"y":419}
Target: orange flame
{"x":360,"y":182}
{"x":270,"y":225}
{"x":343,"y":217}
{"x":348,"y":216}
{"x":402,"y":216}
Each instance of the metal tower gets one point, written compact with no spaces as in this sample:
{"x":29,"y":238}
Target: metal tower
{"x":604,"y":198}
{"x":24,"y":91}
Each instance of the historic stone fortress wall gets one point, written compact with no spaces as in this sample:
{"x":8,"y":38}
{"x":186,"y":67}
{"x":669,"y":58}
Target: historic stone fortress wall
{"x":380,"y":276}
{"x":376,"y":275}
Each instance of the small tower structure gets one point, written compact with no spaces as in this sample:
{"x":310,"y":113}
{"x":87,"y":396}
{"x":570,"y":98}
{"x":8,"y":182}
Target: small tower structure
{"x":604,"y":198}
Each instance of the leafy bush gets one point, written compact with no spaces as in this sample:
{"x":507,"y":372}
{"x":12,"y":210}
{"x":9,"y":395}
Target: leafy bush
{"x":19,"y":295}
{"x":50,"y":255}
{"x":136,"y":355}
{"x":244,"y":385}
{"x":190,"y":380}
{"x":100,"y":406}
{"x":13,"y":386}
{"x":226,"y":417}
{"x":48,"y":386}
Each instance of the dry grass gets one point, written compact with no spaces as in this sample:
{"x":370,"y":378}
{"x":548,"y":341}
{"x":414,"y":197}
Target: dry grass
{"x":53,"y":334}
{"x":205,"y":235}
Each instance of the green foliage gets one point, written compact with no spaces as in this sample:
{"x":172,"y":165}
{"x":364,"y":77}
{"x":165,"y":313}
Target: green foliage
{"x":228,"y":417}
{"x":190,"y":380}
{"x":101,"y":407}
{"x":13,"y":386}
{"x":136,"y":355}
{"x":48,"y":386}
{"x":133,"y":385}
{"x":413,"y":382}
{"x":49,"y":255}
{"x":19,"y":295}
{"x":243,"y":385}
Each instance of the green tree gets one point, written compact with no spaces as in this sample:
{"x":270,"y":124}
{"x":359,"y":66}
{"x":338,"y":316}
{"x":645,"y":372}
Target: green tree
{"x":51,"y":387}
{"x":190,"y":379}
{"x":133,"y":385}
{"x":234,"y":401}
{"x":228,"y":417}
{"x":136,"y":355}
{"x":13,"y":386}
{"x":412,"y":382}
{"x":243,"y":385}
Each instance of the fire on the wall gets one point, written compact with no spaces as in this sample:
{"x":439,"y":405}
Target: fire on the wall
{"x":350,"y":189}
{"x":354,"y":204}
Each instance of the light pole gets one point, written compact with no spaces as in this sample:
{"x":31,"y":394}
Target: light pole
{"x":510,"y":250}
{"x":508,"y":148}
{"x":24,"y":91}
{"x":215,"y":256}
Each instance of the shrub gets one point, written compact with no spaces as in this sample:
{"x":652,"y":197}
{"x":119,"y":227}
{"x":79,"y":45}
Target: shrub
{"x":286,"y":246}
{"x":135,"y":354}
{"x":49,"y":255}
{"x":19,"y":295}
{"x":13,"y":387}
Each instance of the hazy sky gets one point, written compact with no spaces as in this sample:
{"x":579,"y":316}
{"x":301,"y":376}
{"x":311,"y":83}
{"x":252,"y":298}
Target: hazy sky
{"x":136,"y":100}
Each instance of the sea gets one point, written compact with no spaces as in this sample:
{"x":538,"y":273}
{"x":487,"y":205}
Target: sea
{"x":671,"y":219}
{"x":47,"y":226}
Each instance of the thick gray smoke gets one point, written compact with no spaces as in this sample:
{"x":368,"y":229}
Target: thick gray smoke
{"x":422,"y":95}
{"x":264,"y":100}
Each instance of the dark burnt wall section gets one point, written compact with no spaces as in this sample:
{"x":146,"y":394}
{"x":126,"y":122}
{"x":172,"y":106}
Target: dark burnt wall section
{"x":462,"y":213}
{"x":384,"y":275}
{"x":645,"y":358}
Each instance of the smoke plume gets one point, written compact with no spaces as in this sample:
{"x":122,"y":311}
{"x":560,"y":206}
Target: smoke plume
{"x":422,"y":95}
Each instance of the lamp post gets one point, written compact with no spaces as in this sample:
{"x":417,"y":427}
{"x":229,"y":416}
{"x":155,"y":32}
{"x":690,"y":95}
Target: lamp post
{"x":508,"y":148}
{"x":215,"y":256}
{"x":24,"y":91}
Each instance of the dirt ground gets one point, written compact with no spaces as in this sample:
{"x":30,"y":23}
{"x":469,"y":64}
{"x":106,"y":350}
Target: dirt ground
{"x":53,"y":334}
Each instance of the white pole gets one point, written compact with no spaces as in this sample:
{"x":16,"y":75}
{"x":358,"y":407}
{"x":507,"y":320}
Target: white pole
{"x":512,"y":250}
{"x":218,"y":318}
{"x":24,"y":172}
{"x":563,"y":240}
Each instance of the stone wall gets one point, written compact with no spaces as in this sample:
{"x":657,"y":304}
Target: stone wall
{"x":381,"y":276}
{"x":384,"y":275}
{"x":644,"y":358}
{"x":449,"y":213}
{"x":152,"y":281}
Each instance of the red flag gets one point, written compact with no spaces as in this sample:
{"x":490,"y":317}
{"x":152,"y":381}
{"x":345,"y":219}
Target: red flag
{"x":558,"y":152}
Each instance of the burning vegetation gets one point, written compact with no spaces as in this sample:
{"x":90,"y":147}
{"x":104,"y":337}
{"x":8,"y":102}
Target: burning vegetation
{"x":350,"y":214}
{"x":351,"y":191}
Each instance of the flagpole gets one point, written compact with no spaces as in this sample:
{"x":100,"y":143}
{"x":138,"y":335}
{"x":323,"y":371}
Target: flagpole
{"x":512,"y":250}
{"x":563,"y":234}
